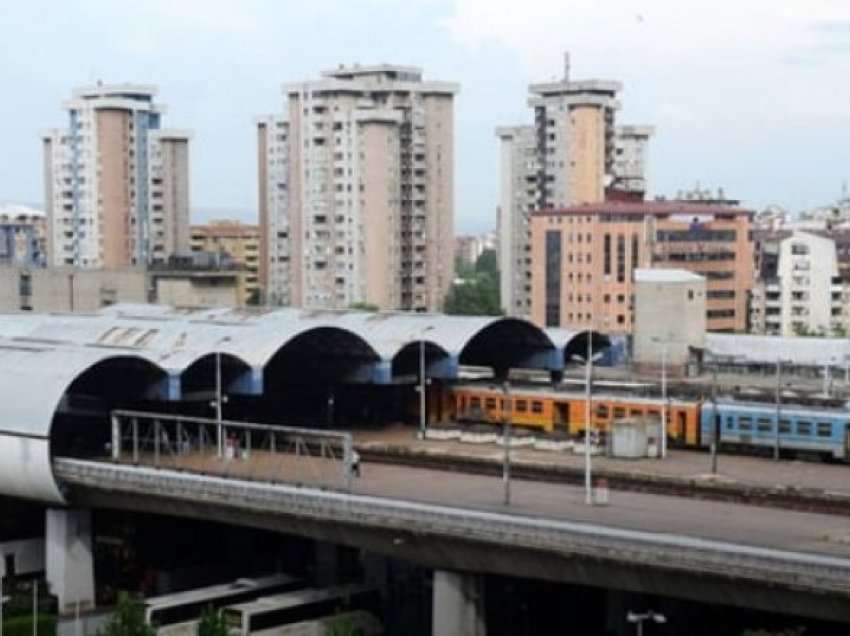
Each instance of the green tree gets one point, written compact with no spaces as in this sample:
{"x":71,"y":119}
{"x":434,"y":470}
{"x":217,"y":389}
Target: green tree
{"x":478,"y":294}
{"x":128,"y":619}
{"x":363,"y":306}
{"x":212,"y":623}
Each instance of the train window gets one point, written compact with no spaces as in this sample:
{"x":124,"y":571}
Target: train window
{"x":745,"y":423}
{"x":475,"y":402}
{"x":784,"y":426}
{"x":730,"y":423}
{"x":804,"y":428}
{"x":619,"y":412}
{"x":824,"y":429}
{"x":537,"y":407}
{"x":521,"y":406}
{"x":765,"y":425}
{"x":602,"y":411}
{"x":635,"y":412}
{"x":490,"y":403}
{"x":654,"y":413}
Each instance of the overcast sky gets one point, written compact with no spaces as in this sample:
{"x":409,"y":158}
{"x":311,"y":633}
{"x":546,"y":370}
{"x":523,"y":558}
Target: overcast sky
{"x":751,"y":95}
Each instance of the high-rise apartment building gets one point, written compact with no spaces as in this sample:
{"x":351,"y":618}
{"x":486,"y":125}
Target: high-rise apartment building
{"x":356,"y":191}
{"x":241,"y":243}
{"x":584,"y":258}
{"x":116,"y":183}
{"x":572,"y":154}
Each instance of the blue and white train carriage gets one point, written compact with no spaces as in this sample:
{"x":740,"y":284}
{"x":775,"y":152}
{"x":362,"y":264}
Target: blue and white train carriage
{"x":803,"y":429}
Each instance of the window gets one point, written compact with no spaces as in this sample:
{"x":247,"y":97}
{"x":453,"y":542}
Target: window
{"x":804,"y":428}
{"x":619,"y":411}
{"x":730,"y":423}
{"x":490,"y":404}
{"x":536,"y":407}
{"x":765,"y":425}
{"x":553,"y":278}
{"x":621,"y":258}
{"x":784,"y":427}
{"x":745,"y":423}
{"x":602,"y":410}
{"x":635,"y":252}
{"x":606,"y":247}
{"x":824,"y":429}
{"x":521,"y":406}
{"x":635,"y":412}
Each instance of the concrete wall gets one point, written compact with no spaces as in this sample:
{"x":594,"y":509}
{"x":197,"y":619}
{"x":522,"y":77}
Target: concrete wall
{"x":28,"y":555}
{"x":192,"y":292}
{"x":672,"y":313}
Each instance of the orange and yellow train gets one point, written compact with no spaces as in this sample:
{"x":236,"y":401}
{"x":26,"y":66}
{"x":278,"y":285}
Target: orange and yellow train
{"x":565,"y":410}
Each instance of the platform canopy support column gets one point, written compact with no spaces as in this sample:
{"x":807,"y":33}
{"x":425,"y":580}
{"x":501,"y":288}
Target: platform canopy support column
{"x":458,"y":604}
{"x":70,"y":566}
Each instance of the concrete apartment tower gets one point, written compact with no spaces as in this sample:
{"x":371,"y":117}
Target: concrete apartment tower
{"x":356,"y":188}
{"x":116,"y":184}
{"x":572,"y":154}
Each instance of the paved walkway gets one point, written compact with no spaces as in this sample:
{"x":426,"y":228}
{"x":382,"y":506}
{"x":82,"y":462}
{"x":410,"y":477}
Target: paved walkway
{"x":755,"y":471}
{"x":766,"y":527}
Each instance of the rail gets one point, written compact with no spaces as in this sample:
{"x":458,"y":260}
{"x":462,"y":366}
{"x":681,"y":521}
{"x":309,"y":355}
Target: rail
{"x":802,"y":571}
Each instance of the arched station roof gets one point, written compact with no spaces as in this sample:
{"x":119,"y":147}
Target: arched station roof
{"x":574,"y":343}
{"x":33,"y":380}
{"x":180,"y":337}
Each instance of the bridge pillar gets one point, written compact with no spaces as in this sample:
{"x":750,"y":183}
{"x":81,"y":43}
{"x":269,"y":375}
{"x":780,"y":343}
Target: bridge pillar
{"x":458,"y":604}
{"x":70,"y":567}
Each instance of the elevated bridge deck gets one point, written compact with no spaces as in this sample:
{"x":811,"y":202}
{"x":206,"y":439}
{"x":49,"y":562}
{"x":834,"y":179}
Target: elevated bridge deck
{"x":797,"y":562}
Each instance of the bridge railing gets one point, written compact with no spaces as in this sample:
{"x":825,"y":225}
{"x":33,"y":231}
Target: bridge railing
{"x":247,"y":450}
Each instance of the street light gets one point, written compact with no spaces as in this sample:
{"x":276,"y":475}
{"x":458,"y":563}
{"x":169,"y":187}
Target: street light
{"x":638,"y":619}
{"x":588,"y":379}
{"x":422,"y":381}
{"x":506,"y":438}
{"x":219,"y":400}
{"x":664,"y":405}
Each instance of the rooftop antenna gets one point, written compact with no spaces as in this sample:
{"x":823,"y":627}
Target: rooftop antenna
{"x":566,"y":66}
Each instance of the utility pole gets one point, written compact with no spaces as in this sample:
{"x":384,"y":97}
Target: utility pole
{"x":506,"y":438}
{"x":664,"y":400}
{"x":218,"y":410}
{"x":421,"y":388}
{"x":715,"y":424}
{"x":588,"y":484}
{"x":778,"y":408}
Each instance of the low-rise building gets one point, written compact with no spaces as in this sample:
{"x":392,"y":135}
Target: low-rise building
{"x":798,"y":289}
{"x":60,"y":289}
{"x":241,"y":242}
{"x":670,"y":320}
{"x":23,"y":235}
{"x":584,"y":257}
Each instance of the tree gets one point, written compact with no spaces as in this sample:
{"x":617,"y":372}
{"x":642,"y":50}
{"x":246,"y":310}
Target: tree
{"x":478,"y":293}
{"x":128,"y":619}
{"x":212,"y":623}
{"x":363,"y":306}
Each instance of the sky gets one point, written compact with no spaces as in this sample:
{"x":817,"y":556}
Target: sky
{"x":750,"y":95}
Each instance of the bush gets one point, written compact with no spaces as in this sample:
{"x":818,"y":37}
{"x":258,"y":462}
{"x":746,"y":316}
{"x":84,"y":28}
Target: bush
{"x":22,"y":625}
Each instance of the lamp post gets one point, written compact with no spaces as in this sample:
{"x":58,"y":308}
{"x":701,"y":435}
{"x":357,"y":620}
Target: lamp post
{"x":422,"y":423}
{"x":506,"y":438}
{"x":588,"y":396}
{"x":638,"y":619}
{"x":218,"y":402}
{"x":778,"y":408}
{"x":664,"y":406}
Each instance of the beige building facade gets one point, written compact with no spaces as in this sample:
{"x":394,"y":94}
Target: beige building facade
{"x":584,"y":258}
{"x":74,"y":289}
{"x":116,"y":184}
{"x":241,"y":242}
{"x":356,"y":191}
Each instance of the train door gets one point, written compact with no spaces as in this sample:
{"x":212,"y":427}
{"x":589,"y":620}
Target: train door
{"x":847,"y":440}
{"x":562,"y":415}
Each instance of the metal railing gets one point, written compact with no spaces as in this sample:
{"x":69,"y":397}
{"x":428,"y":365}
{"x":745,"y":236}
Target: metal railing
{"x":799,"y":571}
{"x":250,"y":450}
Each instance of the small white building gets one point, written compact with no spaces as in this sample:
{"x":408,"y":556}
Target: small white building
{"x":670,"y":319}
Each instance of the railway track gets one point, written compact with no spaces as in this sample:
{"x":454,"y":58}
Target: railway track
{"x":784,"y":497}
